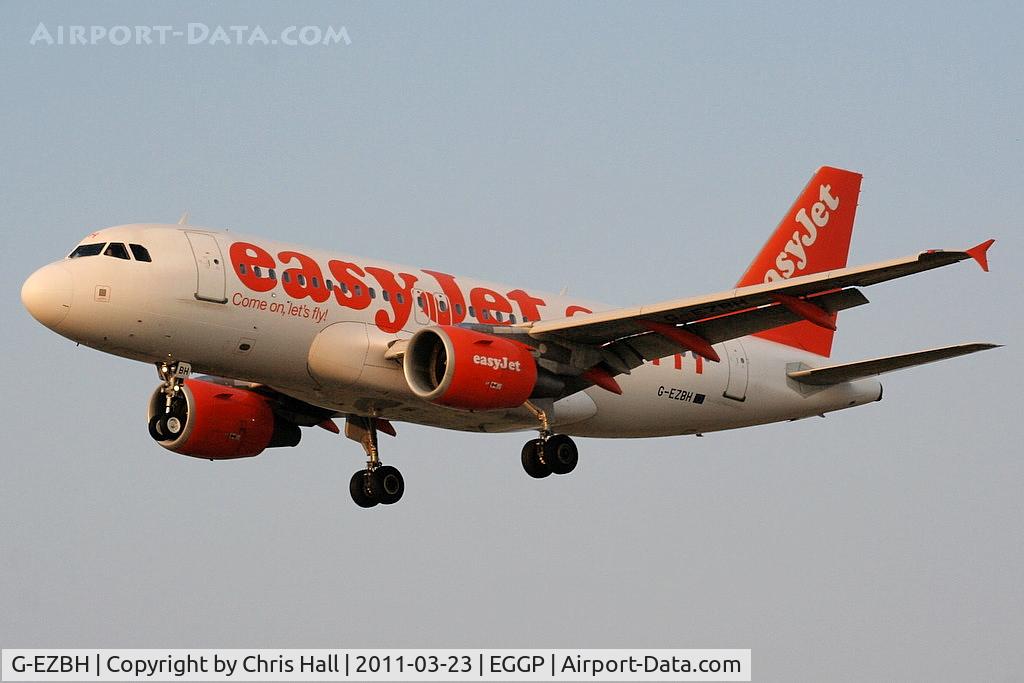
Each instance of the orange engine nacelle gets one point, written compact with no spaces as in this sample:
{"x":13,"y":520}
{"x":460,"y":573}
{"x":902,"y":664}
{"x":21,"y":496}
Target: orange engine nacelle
{"x":220,"y":422}
{"x":460,"y":368}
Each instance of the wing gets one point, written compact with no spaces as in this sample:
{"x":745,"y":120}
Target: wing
{"x":623,"y":339}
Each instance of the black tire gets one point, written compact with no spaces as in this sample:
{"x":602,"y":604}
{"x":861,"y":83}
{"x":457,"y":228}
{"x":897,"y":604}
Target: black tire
{"x":561,"y":454}
{"x":357,"y":489}
{"x":154,"y":428}
{"x":160,"y":428}
{"x":533,"y":463}
{"x":387,"y":485}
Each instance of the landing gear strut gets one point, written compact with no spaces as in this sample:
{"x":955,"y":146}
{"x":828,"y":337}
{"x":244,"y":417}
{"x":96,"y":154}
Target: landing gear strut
{"x":377,"y":483}
{"x":167,"y":425}
{"x":551,"y":453}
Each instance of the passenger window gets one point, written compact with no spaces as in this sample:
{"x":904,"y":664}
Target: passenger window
{"x":301,"y":279}
{"x":272,"y":274}
{"x":373,"y":293}
{"x":472,"y":314}
{"x":443,"y":305}
{"x":316,"y":282}
{"x":329,"y":285}
{"x":117,"y":250}
{"x":400,"y":298}
{"x":385,"y":295}
{"x":344,"y":288}
{"x":241,"y":269}
{"x":257,"y":271}
{"x":140,"y":253}
{"x":87,"y":250}
{"x":286,"y":276}
{"x":512,"y":318}
{"x":359,"y":290}
{"x":458,"y":309}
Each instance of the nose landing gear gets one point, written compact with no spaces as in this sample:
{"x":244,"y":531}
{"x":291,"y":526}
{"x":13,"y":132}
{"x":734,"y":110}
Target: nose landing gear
{"x":168,"y":424}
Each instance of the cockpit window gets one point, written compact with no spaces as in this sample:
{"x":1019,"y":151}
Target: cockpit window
{"x":140,"y":253}
{"x":117,"y":250}
{"x":87,"y":250}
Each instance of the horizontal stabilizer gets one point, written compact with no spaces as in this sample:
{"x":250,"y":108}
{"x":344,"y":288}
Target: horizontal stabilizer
{"x":836,"y":374}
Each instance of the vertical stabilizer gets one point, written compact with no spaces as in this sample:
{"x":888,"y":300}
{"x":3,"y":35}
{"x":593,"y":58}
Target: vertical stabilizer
{"x":813,"y":237}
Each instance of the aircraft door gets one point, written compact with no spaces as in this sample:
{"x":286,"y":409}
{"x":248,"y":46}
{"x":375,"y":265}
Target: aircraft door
{"x":739,"y":371}
{"x":210,"y":276}
{"x":421,"y":306}
{"x":444,"y":311}
{"x":431,"y":307}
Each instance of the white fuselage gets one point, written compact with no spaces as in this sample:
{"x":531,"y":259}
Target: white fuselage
{"x":327,"y":347}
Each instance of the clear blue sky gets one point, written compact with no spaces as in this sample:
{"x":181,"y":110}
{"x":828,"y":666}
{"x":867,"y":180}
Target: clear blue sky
{"x":633,"y":152}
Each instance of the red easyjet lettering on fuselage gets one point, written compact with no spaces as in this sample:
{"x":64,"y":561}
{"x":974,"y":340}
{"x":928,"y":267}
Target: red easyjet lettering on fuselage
{"x":796,"y":247}
{"x":302,"y":277}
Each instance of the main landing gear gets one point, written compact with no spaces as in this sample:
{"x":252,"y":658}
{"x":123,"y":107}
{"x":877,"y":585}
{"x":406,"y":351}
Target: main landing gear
{"x":377,"y":483}
{"x":549,"y":454}
{"x":168,"y":424}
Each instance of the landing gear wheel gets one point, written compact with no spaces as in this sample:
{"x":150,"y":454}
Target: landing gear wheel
{"x":536,"y":466}
{"x":166,"y":427}
{"x":387,"y":485}
{"x":155,"y":428}
{"x":357,"y":487}
{"x":561,"y":454}
{"x":172,"y":425}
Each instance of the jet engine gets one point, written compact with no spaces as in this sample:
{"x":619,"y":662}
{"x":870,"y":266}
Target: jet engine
{"x":461,"y":368}
{"x":217,"y":422}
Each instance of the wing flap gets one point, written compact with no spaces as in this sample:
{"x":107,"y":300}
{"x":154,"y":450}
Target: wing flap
{"x":651,"y":345}
{"x":848,"y":372}
{"x":757,"y":319}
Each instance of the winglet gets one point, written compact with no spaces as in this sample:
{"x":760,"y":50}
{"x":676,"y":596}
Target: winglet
{"x":980,"y":253}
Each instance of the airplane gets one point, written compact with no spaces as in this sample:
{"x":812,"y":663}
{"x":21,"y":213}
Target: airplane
{"x":288,"y":337}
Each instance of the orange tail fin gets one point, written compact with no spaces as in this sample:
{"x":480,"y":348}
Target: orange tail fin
{"x":813,"y":237}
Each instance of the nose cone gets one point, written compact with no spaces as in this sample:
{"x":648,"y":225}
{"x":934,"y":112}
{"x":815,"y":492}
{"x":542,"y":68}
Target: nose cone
{"x":46,"y":294}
